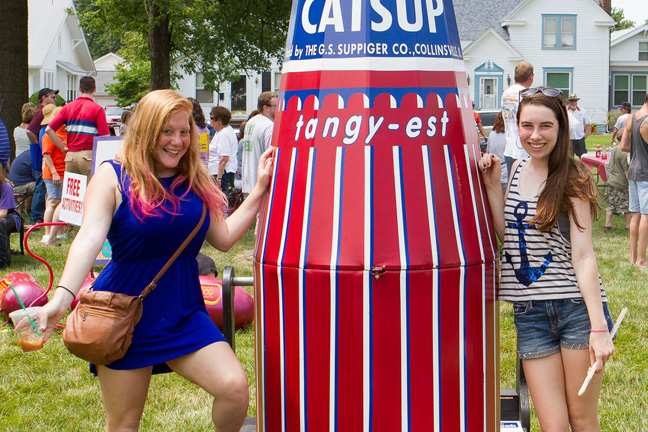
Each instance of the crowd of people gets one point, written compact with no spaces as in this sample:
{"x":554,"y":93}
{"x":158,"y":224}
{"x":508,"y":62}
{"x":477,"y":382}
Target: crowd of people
{"x":147,"y":200}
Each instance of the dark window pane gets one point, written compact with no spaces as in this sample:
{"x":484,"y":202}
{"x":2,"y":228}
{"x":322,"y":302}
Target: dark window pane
{"x":239,"y":91}
{"x":266,"y":82}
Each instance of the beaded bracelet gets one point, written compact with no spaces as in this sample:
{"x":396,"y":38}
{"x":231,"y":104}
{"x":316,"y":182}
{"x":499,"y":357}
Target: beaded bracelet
{"x":599,"y":331}
{"x":66,"y":289}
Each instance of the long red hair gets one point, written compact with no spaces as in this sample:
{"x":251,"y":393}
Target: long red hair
{"x":138,"y":158}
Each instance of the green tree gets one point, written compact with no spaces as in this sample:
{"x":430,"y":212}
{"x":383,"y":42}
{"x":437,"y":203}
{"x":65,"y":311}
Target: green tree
{"x":134,"y":75}
{"x":621,"y":22}
{"x":218,"y":38}
{"x":101,"y":39}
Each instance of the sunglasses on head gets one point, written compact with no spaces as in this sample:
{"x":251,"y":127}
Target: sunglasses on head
{"x":547,"y":91}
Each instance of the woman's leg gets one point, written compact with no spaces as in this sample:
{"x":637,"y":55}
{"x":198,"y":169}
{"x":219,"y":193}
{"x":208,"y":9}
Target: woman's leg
{"x":546,"y":379}
{"x":216,"y":369}
{"x":124,"y":395}
{"x":583,"y":410}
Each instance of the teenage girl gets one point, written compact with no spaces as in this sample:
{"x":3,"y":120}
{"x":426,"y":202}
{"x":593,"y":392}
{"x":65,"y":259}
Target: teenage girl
{"x":549,"y":269}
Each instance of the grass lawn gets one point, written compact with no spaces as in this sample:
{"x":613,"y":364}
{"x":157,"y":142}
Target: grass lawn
{"x":50,"y":390}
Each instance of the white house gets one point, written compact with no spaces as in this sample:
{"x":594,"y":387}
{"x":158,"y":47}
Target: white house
{"x":629,"y":66}
{"x":239,"y":96}
{"x":58,"y":52}
{"x":106,"y":70}
{"x":566,"y":41}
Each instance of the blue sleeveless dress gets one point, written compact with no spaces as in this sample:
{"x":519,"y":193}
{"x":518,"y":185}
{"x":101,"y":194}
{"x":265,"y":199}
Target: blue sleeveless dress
{"x":174,"y":321}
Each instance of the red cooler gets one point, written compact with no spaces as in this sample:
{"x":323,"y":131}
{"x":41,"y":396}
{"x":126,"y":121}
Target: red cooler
{"x":375,"y":258}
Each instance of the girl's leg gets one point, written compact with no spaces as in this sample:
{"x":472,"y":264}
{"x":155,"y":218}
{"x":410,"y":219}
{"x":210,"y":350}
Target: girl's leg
{"x":47,"y":216}
{"x":55,"y":218}
{"x":124,"y":395}
{"x":216,"y":369}
{"x":50,"y":210}
{"x":583,"y":414}
{"x":546,"y":380}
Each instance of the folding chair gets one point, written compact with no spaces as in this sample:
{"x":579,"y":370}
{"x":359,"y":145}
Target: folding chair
{"x":20,"y":200}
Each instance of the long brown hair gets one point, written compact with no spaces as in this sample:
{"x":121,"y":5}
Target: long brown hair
{"x":498,"y":126}
{"x":567,"y":177}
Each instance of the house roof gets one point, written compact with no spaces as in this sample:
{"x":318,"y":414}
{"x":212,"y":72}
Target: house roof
{"x":475,"y":16}
{"x":46,"y":19}
{"x":108,"y":61}
{"x":505,"y":44}
{"x":471,"y":24}
{"x":621,"y":35}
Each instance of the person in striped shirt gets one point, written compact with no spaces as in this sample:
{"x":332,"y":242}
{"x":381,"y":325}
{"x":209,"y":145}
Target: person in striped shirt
{"x":549,"y":269}
{"x":84,"y":119}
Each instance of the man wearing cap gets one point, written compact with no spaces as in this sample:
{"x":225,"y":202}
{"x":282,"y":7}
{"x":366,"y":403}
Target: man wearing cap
{"x":46,"y":96}
{"x":619,"y":126}
{"x":579,"y":125}
{"x":5,"y":147}
{"x":84,"y":119}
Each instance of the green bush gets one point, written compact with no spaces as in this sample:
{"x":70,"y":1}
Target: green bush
{"x":612,"y":119}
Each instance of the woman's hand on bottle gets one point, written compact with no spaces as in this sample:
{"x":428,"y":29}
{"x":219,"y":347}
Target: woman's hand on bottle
{"x":264,"y":169}
{"x":491,"y":168}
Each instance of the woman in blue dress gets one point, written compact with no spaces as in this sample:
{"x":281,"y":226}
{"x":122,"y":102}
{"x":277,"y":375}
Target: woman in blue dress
{"x":146,"y":203}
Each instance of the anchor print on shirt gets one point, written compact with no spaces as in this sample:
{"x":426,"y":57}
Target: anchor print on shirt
{"x":525,"y":274}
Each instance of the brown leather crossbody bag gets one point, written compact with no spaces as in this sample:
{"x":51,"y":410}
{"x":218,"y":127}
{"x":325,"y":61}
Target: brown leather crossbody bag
{"x":100,"y":328}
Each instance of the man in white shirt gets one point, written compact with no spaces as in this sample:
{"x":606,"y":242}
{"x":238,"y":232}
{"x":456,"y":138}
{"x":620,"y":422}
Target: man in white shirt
{"x":510,"y":101}
{"x":257,"y":139}
{"x":222,"y":150}
{"x":620,"y":124}
{"x":579,"y":125}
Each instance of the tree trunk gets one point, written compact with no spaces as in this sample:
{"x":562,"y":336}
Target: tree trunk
{"x":159,"y":37}
{"x":14,"y":69}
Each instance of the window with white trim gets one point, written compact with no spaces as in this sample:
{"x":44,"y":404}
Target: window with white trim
{"x":621,"y":89}
{"x":72,"y":84}
{"x":48,"y":79}
{"x":559,"y":32}
{"x":559,"y":80}
{"x":203,"y":96}
{"x":639,"y":89}
{"x":643,"y":50}
{"x":277,"y":82}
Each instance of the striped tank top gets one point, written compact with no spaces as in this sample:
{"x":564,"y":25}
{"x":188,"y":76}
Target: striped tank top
{"x":536,"y":265}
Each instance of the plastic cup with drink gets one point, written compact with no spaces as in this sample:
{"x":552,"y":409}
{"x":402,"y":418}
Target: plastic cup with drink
{"x":26,"y":322}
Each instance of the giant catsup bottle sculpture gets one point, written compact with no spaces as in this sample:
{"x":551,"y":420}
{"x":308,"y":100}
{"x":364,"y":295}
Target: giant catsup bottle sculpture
{"x":374,"y":263}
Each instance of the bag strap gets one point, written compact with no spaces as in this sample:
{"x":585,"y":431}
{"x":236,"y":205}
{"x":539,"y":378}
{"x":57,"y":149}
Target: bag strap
{"x":150,"y":287}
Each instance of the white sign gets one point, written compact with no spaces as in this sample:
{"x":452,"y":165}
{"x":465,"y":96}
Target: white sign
{"x":511,"y":426}
{"x":74,"y":188}
{"x":105,"y":148}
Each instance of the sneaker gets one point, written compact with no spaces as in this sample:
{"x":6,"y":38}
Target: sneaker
{"x":62,"y":236}
{"x":607,"y":228}
{"x":45,"y":238}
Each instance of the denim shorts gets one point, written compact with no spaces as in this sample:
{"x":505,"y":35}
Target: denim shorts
{"x":53,"y":192}
{"x":544,"y":326}
{"x":638,"y":191}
